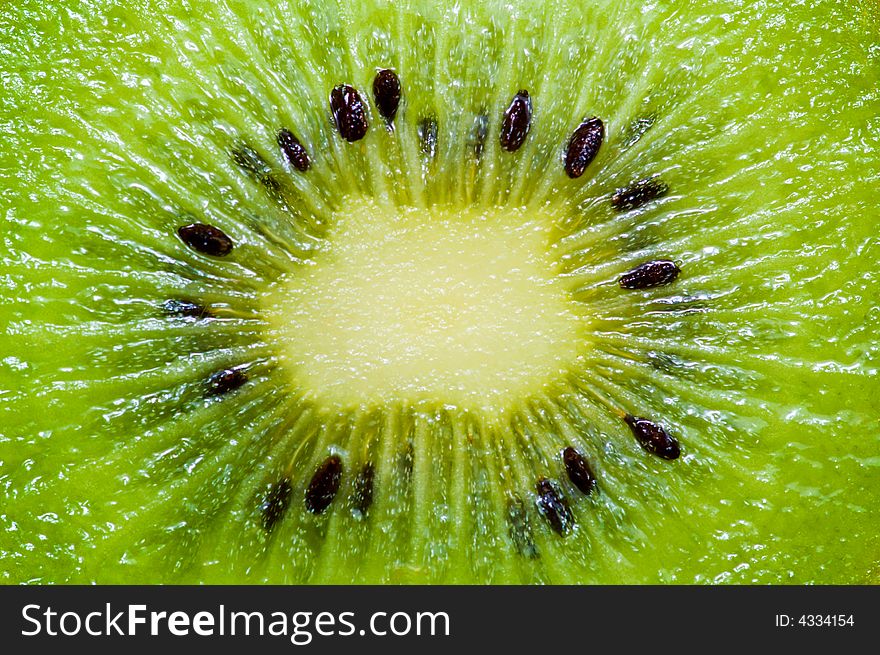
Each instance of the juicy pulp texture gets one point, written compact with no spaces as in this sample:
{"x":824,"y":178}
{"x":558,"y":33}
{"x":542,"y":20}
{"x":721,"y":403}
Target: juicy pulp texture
{"x":118,"y":123}
{"x":444,"y":306}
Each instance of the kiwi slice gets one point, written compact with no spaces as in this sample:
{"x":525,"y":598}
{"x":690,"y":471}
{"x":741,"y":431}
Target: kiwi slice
{"x":315,"y":291}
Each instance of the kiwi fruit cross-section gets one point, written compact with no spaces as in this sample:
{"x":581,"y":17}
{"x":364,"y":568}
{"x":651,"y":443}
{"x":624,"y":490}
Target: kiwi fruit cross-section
{"x":502,"y":292}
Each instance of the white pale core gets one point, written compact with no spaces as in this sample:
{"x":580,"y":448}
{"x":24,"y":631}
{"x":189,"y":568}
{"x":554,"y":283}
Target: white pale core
{"x":412,"y":305}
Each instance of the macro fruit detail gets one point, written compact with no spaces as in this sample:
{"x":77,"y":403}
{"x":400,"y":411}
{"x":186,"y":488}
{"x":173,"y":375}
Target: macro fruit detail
{"x":567,"y":292}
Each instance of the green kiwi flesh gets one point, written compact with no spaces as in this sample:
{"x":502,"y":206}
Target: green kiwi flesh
{"x":316,"y":291}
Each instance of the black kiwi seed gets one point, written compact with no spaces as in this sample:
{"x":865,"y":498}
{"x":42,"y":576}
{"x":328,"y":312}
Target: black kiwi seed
{"x":225,"y":381}
{"x":584,"y":146}
{"x":293,"y":150}
{"x":324,"y":485}
{"x":650,"y":274}
{"x":349,"y":113}
{"x":653,"y":437}
{"x":184,"y":308}
{"x":553,"y":506}
{"x":639,"y":193}
{"x":275,"y":503}
{"x":253,"y":163}
{"x":520,"y":529}
{"x":579,"y":471}
{"x":386,"y":92}
{"x":478,"y":134}
{"x":362,"y":496}
{"x":517,"y":121}
{"x":205,"y":239}
{"x":428,"y":136}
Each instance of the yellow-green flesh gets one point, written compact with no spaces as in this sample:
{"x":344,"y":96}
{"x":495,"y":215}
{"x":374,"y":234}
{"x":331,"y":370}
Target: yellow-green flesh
{"x":454,"y":320}
{"x":463,"y":306}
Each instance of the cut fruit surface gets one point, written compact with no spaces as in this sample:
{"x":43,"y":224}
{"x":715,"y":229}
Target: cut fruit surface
{"x":560,"y":291}
{"x":448,"y":307}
